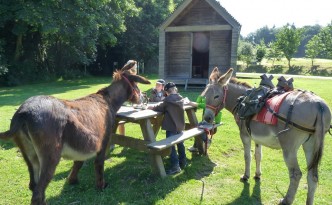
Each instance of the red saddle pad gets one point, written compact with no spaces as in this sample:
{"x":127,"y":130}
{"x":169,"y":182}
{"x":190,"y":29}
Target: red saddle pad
{"x":266,"y":117}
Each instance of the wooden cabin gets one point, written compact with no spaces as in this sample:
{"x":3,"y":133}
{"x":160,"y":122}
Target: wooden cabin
{"x":198,"y":36}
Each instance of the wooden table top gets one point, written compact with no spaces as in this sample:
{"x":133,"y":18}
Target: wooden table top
{"x":132,"y":113}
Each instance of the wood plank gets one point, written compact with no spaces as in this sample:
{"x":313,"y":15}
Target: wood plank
{"x":130,"y":114}
{"x":130,"y":142}
{"x":187,"y":134}
{"x":199,"y":28}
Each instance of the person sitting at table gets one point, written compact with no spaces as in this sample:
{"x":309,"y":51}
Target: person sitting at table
{"x":173,"y":123}
{"x":158,"y":94}
{"x":201,"y":104}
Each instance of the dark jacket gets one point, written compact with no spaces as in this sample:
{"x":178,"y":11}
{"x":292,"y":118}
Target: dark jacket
{"x":157,"y":97}
{"x":173,"y":110}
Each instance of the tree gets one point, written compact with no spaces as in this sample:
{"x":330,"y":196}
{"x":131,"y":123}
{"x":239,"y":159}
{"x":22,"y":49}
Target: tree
{"x":141,"y":39}
{"x":260,"y":51}
{"x":313,"y":48}
{"x":53,"y":36}
{"x":326,"y":39}
{"x":273,"y":53}
{"x":246,"y":52}
{"x":288,"y":40}
{"x":308,"y":33}
{"x":265,"y":33}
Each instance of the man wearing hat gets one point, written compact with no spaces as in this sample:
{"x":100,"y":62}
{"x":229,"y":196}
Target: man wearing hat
{"x":158,"y":94}
{"x":173,"y":122}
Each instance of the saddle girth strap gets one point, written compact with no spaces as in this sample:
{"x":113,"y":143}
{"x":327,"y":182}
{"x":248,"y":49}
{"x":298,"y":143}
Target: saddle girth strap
{"x":287,"y":120}
{"x":290,"y":110}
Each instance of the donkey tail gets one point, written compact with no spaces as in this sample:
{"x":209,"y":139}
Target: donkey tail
{"x":319,"y":135}
{"x":16,"y":124}
{"x":6,"y":135}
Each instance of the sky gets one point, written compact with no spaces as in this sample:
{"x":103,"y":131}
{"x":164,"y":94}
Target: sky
{"x":255,"y":14}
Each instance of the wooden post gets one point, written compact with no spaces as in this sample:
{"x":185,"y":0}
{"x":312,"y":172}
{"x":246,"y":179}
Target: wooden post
{"x":157,"y":124}
{"x":148,"y":134}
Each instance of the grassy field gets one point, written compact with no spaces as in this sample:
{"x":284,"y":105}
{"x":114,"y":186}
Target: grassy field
{"x":212,"y":179}
{"x":299,"y":66}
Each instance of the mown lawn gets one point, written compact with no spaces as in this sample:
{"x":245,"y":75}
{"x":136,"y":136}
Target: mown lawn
{"x":299,"y":66}
{"x":212,"y":179}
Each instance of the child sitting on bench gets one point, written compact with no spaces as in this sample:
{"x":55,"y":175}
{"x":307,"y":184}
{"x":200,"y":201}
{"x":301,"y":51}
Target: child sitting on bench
{"x":173,"y":123}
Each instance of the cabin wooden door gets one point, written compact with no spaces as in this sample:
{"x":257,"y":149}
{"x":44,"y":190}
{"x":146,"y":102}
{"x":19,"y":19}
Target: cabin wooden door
{"x":200,"y":54}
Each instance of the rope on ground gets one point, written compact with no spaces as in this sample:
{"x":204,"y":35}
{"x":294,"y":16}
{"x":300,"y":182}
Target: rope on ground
{"x":203,"y":188}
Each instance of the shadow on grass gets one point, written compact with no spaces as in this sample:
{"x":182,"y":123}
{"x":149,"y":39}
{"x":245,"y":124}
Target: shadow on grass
{"x":321,"y":72}
{"x":6,"y":145}
{"x":256,"y":69}
{"x":276,"y":69}
{"x":245,"y":77}
{"x":130,"y":181}
{"x":295,"y":70}
{"x":245,"y":197}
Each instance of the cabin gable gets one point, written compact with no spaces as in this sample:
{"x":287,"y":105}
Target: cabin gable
{"x":197,"y":37}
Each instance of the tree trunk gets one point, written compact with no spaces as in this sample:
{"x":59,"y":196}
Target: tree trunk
{"x":19,"y":47}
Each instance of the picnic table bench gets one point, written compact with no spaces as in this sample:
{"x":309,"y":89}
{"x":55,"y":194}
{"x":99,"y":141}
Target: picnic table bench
{"x":150,"y":123}
{"x":175,"y":139}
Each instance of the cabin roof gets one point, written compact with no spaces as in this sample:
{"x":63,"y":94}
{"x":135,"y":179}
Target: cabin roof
{"x":213,"y":3}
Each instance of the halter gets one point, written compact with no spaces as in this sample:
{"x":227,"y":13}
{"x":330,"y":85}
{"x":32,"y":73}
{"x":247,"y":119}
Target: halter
{"x":221,"y":106}
{"x":134,"y":88}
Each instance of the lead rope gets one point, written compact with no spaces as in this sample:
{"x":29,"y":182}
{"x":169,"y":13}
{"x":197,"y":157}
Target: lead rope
{"x":209,"y":133}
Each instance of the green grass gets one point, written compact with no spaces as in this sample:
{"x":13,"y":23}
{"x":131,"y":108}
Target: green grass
{"x":299,"y":66}
{"x":212,"y":179}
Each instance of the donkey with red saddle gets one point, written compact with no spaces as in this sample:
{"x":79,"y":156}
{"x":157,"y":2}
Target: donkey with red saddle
{"x":303,"y":120}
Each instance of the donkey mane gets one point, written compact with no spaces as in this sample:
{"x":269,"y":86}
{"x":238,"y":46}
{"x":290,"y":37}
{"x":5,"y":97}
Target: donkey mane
{"x":117,"y":75}
{"x":237,"y":82}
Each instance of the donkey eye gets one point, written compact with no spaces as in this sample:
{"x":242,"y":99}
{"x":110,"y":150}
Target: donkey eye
{"x":217,"y":96}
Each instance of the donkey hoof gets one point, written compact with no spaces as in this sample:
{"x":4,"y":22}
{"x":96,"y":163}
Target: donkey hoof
{"x":101,"y":186}
{"x":257,"y":178}
{"x":244,"y":178}
{"x":73,"y":181}
{"x":283,"y":202}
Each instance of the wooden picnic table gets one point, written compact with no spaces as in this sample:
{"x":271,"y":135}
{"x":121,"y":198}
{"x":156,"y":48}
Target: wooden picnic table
{"x":150,"y":123}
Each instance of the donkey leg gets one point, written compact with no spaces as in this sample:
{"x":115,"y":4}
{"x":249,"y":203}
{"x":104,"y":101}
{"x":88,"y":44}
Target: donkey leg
{"x":73,"y":178}
{"x":99,"y":169}
{"x":30,"y":157}
{"x":258,"y":159}
{"x":246,"y":141}
{"x":34,"y":169}
{"x":312,"y":177}
{"x":49,"y":159}
{"x":295,"y":174}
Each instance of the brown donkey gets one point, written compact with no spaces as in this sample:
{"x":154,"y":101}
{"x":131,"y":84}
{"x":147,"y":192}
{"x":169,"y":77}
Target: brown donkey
{"x":46,"y":128}
{"x":309,"y":111}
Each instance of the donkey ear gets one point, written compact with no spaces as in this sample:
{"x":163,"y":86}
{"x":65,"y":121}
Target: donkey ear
{"x":215,"y":69}
{"x":131,"y":67}
{"x":214,"y":75}
{"x":138,"y":79}
{"x":224,"y":79}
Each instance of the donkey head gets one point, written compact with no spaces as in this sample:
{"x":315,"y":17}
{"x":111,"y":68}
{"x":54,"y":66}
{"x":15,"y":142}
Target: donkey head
{"x":215,"y":93}
{"x":127,"y":75}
